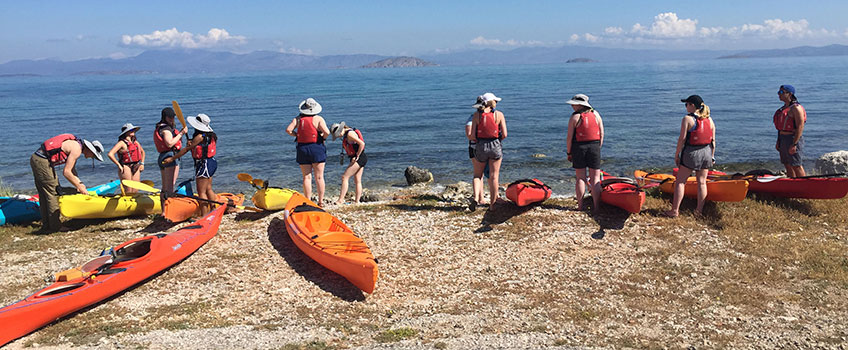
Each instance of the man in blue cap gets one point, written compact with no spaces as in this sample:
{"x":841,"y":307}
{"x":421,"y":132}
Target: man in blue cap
{"x":789,"y":121}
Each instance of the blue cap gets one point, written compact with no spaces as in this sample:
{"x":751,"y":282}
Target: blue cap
{"x":787,"y":88}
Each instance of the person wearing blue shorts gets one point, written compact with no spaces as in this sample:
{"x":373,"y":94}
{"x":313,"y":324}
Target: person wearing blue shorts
{"x":310,"y":130}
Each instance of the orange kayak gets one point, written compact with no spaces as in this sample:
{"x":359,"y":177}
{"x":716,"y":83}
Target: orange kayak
{"x":527,"y":191}
{"x":179,"y":209}
{"x":122,"y":267}
{"x":329,"y":242}
{"x":717,"y":190}
{"x":622,"y":193}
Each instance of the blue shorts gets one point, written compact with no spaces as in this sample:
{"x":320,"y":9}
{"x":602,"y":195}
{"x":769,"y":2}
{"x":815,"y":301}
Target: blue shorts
{"x":164,"y":155}
{"x":205,"y":168}
{"x":311,"y":153}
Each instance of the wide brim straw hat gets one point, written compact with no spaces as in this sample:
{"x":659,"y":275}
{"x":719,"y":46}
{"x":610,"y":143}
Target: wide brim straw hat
{"x":128,"y":127}
{"x":200,"y":123}
{"x":337,"y":129}
{"x":309,"y":107}
{"x":579,"y":99}
{"x":95,"y":147}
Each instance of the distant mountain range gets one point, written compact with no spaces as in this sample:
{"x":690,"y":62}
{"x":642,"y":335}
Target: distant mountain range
{"x":202,"y":61}
{"x":400,"y":62}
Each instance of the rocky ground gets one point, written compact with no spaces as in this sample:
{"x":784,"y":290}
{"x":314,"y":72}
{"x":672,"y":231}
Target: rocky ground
{"x":451,"y":278}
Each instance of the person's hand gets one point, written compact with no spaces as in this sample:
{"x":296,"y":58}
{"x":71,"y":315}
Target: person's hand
{"x":793,"y":149}
{"x":677,"y":160}
{"x":569,"y":157}
{"x":167,"y":160}
{"x":120,"y":168}
{"x":777,"y":146}
{"x":141,"y":167}
{"x":184,"y":130}
{"x":81,"y":188}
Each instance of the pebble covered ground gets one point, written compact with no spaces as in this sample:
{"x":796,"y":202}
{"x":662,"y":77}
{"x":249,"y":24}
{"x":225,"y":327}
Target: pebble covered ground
{"x":450,"y":278}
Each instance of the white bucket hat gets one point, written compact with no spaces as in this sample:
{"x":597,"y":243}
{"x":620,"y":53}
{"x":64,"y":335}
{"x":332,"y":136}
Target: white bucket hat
{"x":200,"y":123}
{"x":579,"y":99}
{"x":95,"y":147}
{"x":490,"y":97}
{"x":337,"y":130}
{"x":128,"y":127}
{"x":309,"y":107}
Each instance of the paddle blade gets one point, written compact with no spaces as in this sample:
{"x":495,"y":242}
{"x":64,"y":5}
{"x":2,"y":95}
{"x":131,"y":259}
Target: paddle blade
{"x":179,"y":113}
{"x":258,"y":182}
{"x":139,"y":186}
{"x":244,"y":177}
{"x":148,"y":183}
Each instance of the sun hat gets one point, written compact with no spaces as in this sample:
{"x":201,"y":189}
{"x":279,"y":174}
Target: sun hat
{"x":309,"y":107}
{"x":489,"y":97}
{"x":337,"y":130}
{"x":694,"y":99}
{"x":95,"y":147}
{"x":579,"y":99}
{"x":128,"y":127}
{"x":479,"y":102}
{"x":787,"y":88}
{"x":200,"y":123}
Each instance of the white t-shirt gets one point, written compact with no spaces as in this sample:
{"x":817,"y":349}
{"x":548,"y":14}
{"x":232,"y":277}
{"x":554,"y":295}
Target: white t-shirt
{"x":468,"y":123}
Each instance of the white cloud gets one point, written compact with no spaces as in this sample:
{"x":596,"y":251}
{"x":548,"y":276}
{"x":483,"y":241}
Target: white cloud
{"x":117,"y":55}
{"x":613,"y":30}
{"x":482,"y":41}
{"x":216,"y":37}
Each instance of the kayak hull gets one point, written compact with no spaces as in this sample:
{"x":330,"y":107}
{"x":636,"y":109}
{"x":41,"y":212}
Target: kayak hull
{"x":329,"y":242}
{"x":717,"y":190}
{"x":179,"y":209}
{"x":624,"y":195}
{"x":524,"y":193}
{"x":134,"y":261}
{"x":19,"y":209}
{"x":272,"y":198}
{"x":810,"y":188}
{"x":80,"y":206}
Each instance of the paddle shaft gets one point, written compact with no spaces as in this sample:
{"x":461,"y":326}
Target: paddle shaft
{"x":144,"y":187}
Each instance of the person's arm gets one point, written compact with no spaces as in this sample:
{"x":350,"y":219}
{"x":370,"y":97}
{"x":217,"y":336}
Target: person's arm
{"x":351,"y":136}
{"x":196,"y":140}
{"x":74,"y":150}
{"x":170,"y":138}
{"x":798,"y":115}
{"x":468,"y":127}
{"x":714,"y":138}
{"x":600,"y":126}
{"x":569,"y":136}
{"x":118,"y":146}
{"x":684,"y":127}
{"x":141,"y":151}
{"x":503,"y":126}
{"x":322,"y":127}
{"x":474,"y":122}
{"x":291,"y":127}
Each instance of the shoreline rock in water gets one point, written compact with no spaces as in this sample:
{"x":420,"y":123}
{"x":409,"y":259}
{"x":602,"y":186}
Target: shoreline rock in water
{"x":415,"y":175}
{"x":833,"y":163}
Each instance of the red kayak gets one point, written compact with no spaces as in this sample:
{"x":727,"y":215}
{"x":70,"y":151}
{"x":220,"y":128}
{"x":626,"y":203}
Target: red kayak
{"x":622,"y":192}
{"x":528,"y":191}
{"x":810,"y":188}
{"x":123,"y":267}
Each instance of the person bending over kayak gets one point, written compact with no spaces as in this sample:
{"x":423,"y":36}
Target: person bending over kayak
{"x":789,"y":121}
{"x":488,"y":129}
{"x":583,"y":146}
{"x":61,"y":149}
{"x":130,"y":156}
{"x":476,"y":183}
{"x":203,"y":147}
{"x":310,"y":130}
{"x":168,"y":142}
{"x":354,"y":147}
{"x":695,"y":151}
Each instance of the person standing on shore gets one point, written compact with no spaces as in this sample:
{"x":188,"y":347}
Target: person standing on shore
{"x":203,"y":146}
{"x":61,"y":149}
{"x":488,"y":129}
{"x":310,"y":131}
{"x":130,"y":160}
{"x":476,"y":183}
{"x":789,"y":121}
{"x":168,"y":142}
{"x":583,"y":148}
{"x":695,"y":151}
{"x":354,"y":147}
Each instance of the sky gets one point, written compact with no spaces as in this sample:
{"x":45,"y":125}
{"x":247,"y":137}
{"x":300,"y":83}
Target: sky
{"x":72,"y":30}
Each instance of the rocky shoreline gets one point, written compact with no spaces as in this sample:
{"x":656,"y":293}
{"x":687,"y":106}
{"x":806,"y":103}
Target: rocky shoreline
{"x":546,"y":276}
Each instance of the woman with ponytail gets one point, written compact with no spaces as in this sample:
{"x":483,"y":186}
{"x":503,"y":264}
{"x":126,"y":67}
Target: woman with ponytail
{"x":695,"y":152}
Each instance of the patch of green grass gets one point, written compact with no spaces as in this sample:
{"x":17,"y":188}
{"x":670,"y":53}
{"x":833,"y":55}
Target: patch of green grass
{"x":395,"y":335}
{"x":5,"y":190}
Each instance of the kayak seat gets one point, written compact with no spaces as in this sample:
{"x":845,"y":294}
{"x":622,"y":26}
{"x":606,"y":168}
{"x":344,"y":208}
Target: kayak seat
{"x":132,"y":251}
{"x":60,"y":289}
{"x":306,"y":208}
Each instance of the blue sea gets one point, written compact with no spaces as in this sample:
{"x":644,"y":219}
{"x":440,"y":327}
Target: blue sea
{"x":416,"y":116}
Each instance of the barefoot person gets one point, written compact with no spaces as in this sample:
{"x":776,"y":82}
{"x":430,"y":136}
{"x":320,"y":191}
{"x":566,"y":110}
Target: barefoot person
{"x":203,"y":147}
{"x":130,"y":156}
{"x":310,"y":130}
{"x":488,"y":129}
{"x":476,"y":183}
{"x":354,"y":147}
{"x":168,"y":142}
{"x":695,"y":152}
{"x":789,"y":121}
{"x":61,"y":149}
{"x":583,"y":146}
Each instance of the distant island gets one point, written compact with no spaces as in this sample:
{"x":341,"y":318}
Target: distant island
{"x":580,"y":60}
{"x":400,"y":62}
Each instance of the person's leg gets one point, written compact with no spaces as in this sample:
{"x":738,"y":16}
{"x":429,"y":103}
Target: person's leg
{"x":701,"y":176}
{"x":580,"y":186}
{"x":169,"y":178}
{"x":48,"y":197}
{"x":319,"y":181}
{"x":679,"y":188}
{"x":357,"y":180}
{"x":350,"y":171}
{"x":306,"y":171}
{"x":595,"y":187}
{"x":476,"y":185}
{"x":790,"y":171}
{"x":478,"y":176}
{"x":494,"y":174}
{"x":204,"y":188}
{"x":798,"y":171}
{"x":127,"y":174}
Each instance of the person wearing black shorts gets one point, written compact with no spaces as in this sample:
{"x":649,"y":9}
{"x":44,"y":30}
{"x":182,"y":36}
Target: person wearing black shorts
{"x":584,"y":141}
{"x":353,"y":144}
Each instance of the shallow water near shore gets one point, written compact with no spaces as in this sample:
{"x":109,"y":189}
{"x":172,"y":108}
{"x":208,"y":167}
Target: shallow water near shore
{"x":416,"y":116}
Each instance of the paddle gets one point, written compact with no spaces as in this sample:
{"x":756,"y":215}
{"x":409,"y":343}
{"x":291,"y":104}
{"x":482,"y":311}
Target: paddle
{"x":179,"y":113}
{"x":259,"y":184}
{"x":144,"y":187}
{"x":772,"y":178}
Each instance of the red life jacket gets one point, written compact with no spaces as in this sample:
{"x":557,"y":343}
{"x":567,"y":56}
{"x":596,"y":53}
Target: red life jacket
{"x":52,"y":148}
{"x":487,"y":128}
{"x":351,"y":148}
{"x":132,"y":154}
{"x":588,"y":128}
{"x":782,"y":120}
{"x":701,"y":133}
{"x":205,"y":149}
{"x":306,"y":131}
{"x":159,"y":142}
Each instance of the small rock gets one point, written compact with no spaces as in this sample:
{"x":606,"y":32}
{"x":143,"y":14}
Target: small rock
{"x":370,"y":196}
{"x":415,"y":175}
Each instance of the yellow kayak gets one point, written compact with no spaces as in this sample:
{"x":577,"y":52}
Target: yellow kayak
{"x":272,"y":198}
{"x":80,"y":206}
